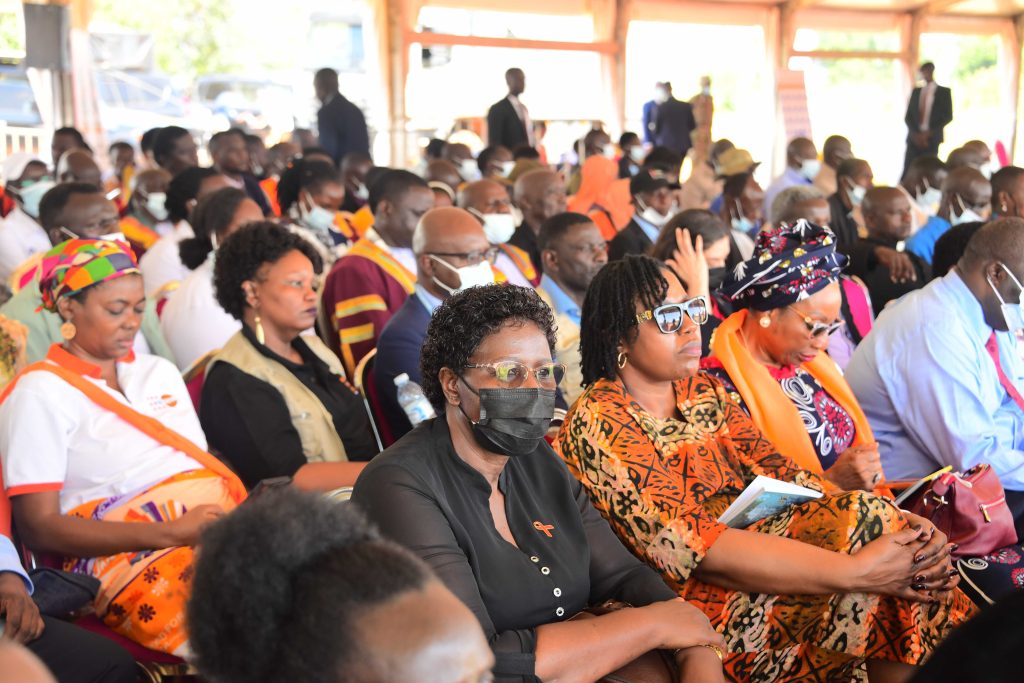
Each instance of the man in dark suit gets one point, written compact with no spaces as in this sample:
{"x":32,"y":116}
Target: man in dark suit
{"x":653,"y":197}
{"x":445,"y":240}
{"x":342,"y":124}
{"x":231,"y":159}
{"x":929,"y":111}
{"x":674,"y":123}
{"x":508,"y":122}
{"x":650,"y":112}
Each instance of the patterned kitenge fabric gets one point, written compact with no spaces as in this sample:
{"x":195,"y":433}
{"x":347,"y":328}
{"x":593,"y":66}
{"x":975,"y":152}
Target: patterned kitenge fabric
{"x":662,"y":484}
{"x":77,"y":264}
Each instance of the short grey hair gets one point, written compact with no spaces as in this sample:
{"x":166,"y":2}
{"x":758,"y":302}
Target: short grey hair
{"x":782,"y":205}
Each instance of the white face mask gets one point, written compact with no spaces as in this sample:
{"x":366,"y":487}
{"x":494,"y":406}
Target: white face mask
{"x":33,"y":194}
{"x":856,"y":194}
{"x":608,"y":151}
{"x":507,"y":167}
{"x":156,"y":205}
{"x":316,"y":217}
{"x":653,"y":216}
{"x":109,"y":237}
{"x":497,"y":226}
{"x":930,"y":199}
{"x":660,"y":95}
{"x":469,"y":170}
{"x":810,"y":168}
{"x":1011,"y":311}
{"x":636,"y":153}
{"x":986,"y":170}
{"x":967,"y":215}
{"x":362,"y":193}
{"x":469,"y":276}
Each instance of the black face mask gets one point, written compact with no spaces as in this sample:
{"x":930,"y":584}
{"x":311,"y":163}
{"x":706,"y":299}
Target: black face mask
{"x":716,"y":276}
{"x":512,"y":421}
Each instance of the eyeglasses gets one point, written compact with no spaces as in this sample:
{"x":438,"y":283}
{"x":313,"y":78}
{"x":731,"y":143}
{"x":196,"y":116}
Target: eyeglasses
{"x":815,"y":328}
{"x":471,"y":258}
{"x":513,"y":374}
{"x":101,"y":226}
{"x":670,"y":316}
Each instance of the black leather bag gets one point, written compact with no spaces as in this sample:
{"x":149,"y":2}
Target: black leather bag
{"x":60,"y":594}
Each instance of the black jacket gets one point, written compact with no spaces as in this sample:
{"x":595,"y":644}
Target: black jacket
{"x":631,"y":240}
{"x":939,"y":117}
{"x":504,"y":127}
{"x":342,"y":128}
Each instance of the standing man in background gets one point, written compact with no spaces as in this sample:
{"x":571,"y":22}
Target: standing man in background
{"x":673,"y":122}
{"x":929,"y":111}
{"x":342,"y":126}
{"x":508,"y":122}
{"x":651,"y":112}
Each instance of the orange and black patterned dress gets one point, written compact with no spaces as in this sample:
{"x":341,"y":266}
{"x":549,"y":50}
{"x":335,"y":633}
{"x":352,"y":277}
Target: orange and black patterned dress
{"x":662,"y":484}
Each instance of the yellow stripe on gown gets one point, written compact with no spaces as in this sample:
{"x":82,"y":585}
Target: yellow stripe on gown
{"x":143,"y":594}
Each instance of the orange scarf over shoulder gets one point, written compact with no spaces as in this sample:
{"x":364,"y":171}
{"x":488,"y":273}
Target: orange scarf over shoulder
{"x":147,"y":425}
{"x":773,"y":413}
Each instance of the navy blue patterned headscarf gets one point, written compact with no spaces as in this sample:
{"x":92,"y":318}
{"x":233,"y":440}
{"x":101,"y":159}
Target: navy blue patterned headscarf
{"x":790,"y":263}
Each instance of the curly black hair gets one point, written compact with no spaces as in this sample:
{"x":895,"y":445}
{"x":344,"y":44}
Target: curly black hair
{"x":465,"y":319}
{"x":247,"y":250}
{"x":609,"y":311}
{"x":212,"y":216}
{"x":281,"y":584}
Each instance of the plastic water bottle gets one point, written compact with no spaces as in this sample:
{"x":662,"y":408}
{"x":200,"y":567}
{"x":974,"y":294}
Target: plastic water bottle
{"x":415,"y":404}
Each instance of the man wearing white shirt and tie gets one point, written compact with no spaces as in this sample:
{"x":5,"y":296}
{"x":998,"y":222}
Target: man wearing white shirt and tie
{"x":508,"y":122}
{"x":929,"y":111}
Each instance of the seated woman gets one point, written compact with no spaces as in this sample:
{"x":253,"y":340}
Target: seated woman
{"x":275,"y":402}
{"x":310,"y":193}
{"x":192,"y":321}
{"x":336,"y":602}
{"x":810,"y":593}
{"x":696,"y":244}
{"x":103,"y":457}
{"x":478,"y":494}
{"x":770,"y":356}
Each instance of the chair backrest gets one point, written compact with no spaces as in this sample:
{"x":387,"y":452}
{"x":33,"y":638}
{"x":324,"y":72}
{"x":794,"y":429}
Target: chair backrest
{"x":195,"y":375}
{"x":368,"y":390}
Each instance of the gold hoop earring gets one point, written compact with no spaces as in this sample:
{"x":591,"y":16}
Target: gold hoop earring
{"x":765,"y":321}
{"x":260,"y":337}
{"x":621,"y":359}
{"x":68,"y":331}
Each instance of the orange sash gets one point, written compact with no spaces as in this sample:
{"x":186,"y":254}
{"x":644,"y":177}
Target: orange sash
{"x":147,"y":425}
{"x":773,"y":413}
{"x":371,"y":252}
{"x":522,"y":261}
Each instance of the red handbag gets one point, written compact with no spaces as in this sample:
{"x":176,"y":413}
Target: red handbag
{"x":970,"y":508}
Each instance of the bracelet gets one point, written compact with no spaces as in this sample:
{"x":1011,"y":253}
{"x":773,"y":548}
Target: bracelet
{"x":717,"y":650}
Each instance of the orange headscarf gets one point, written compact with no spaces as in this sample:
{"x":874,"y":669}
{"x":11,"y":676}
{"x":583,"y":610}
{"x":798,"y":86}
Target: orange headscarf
{"x":773,"y":413}
{"x":602,"y":195}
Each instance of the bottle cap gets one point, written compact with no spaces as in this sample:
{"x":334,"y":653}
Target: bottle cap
{"x":401,"y":379}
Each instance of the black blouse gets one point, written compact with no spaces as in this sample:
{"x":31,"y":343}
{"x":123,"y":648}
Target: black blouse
{"x":248,"y":424}
{"x":424,"y":496}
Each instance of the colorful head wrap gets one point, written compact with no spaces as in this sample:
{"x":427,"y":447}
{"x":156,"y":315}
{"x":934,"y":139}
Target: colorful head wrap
{"x":790,"y":263}
{"x":74,"y":265}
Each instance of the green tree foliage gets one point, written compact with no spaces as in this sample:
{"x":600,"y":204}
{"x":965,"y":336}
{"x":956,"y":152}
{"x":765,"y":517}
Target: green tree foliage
{"x":193,"y":37}
{"x":12,"y":38}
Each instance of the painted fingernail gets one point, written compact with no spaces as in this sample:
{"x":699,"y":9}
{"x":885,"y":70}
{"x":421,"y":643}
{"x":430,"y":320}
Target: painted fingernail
{"x":952,"y":572}
{"x":918,"y":558}
{"x":953,"y":547}
{"x":918,"y":587}
{"x":919,"y":578}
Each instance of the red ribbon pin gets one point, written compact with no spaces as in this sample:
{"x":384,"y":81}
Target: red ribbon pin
{"x":544,"y":528}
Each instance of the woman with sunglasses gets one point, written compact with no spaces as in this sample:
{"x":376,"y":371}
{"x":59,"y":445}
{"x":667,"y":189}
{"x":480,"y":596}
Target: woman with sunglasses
{"x":478,"y":494}
{"x":770,"y":355}
{"x":811,"y":593}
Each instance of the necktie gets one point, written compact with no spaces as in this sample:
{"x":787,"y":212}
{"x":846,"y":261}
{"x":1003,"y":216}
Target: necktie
{"x":992,"y":346}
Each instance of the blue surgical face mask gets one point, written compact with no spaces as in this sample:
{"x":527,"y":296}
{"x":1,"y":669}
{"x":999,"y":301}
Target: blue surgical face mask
{"x":856,"y":194}
{"x":316,"y":217}
{"x":810,"y":168}
{"x":741,"y":223}
{"x":31,"y":195}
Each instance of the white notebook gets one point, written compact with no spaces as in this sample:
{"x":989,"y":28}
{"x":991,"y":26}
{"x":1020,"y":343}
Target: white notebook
{"x":764,"y":497}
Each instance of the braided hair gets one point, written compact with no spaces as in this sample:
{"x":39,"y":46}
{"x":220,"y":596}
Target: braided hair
{"x":304,"y":174}
{"x":609,"y":311}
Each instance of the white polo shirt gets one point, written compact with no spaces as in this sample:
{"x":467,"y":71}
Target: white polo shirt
{"x":161,"y":263}
{"x":193,"y":322}
{"x":55,"y":438}
{"x":20,"y":237}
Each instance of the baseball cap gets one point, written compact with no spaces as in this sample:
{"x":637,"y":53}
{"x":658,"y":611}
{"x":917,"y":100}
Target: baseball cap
{"x":651,"y":179}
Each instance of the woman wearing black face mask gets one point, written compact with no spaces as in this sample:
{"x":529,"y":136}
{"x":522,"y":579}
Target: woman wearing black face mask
{"x":696,"y":243}
{"x":480,"y":496}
